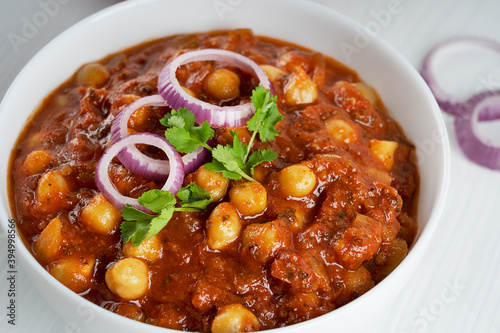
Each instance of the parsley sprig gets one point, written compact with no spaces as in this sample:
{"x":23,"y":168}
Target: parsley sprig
{"x":234,"y":161}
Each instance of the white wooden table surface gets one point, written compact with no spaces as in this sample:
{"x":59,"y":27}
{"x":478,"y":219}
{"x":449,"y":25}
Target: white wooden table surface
{"x":457,"y":287}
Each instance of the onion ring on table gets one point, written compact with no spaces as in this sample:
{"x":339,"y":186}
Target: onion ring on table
{"x":481,"y":107}
{"x":448,"y":103}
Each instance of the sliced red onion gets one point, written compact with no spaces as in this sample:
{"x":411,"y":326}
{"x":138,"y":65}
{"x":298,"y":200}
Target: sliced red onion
{"x":157,"y":169}
{"x":217,"y":116}
{"x":486,"y":106}
{"x":173,"y":183}
{"x":448,"y":103}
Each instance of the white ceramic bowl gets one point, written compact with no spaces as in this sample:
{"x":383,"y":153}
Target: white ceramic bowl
{"x":402,"y":90}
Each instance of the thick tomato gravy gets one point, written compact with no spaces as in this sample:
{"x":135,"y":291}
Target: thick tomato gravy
{"x":302,"y":257}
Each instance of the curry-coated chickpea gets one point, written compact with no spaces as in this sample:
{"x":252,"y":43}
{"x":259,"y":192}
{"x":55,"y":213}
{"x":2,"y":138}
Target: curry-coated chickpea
{"x":150,"y":249}
{"x":37,"y":162}
{"x":74,"y":272}
{"x":53,"y":191}
{"x":384,"y":151}
{"x":355,"y":283}
{"x":223,"y":226}
{"x":300,"y":89}
{"x":223,"y":84}
{"x":263,"y":241}
{"x":234,"y":318}
{"x":249,"y":198}
{"x":297,"y":180}
{"x":128,"y":278}
{"x":100,"y":215}
{"x":273,"y":73}
{"x":214,"y":182}
{"x":94,"y":74}
{"x":48,"y":243}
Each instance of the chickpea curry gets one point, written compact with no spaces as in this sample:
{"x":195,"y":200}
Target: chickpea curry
{"x":315,"y":227}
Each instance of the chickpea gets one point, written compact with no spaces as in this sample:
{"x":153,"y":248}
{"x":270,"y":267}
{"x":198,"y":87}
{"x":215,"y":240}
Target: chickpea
{"x":384,"y":151}
{"x":74,"y":272}
{"x":356,"y":283}
{"x":260,"y":173}
{"x":234,"y":318}
{"x":48,"y":244}
{"x":264,"y":240}
{"x":139,"y":118}
{"x":190,"y":92}
{"x":128,"y":278}
{"x":273,"y":73}
{"x":214,"y":182}
{"x":150,"y":249}
{"x":100,"y":215}
{"x":341,"y":130}
{"x":249,"y":198}
{"x":297,"y":180}
{"x":389,"y":257}
{"x":52,"y":191}
{"x":367,"y":92}
{"x":380,"y":176}
{"x":122,"y":101}
{"x":223,"y":226}
{"x":223,"y":84}
{"x":93,"y":74}
{"x":37,"y":162}
{"x":300,"y":89}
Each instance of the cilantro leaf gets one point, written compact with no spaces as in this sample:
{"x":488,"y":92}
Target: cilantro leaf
{"x":239,"y":149}
{"x":157,"y":200}
{"x":266,"y":116}
{"x":257,"y":157}
{"x":217,"y":166}
{"x":160,"y":221}
{"x":183,"y":134}
{"x":231,"y":162}
{"x":138,"y":225}
{"x":182,"y":140}
{"x":194,"y":196}
{"x":130,"y":213}
{"x":182,"y":118}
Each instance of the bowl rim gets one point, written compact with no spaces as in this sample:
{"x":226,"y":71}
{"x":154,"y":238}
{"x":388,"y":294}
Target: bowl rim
{"x":413,"y":256}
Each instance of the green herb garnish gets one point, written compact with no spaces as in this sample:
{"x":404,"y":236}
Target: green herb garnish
{"x":139,"y":225}
{"x":233,"y":161}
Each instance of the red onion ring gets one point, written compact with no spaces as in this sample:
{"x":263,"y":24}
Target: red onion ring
{"x":108,"y":189}
{"x":143,"y":165}
{"x":487,"y":105}
{"x":448,"y":103}
{"x":157,"y":169}
{"x":217,"y":116}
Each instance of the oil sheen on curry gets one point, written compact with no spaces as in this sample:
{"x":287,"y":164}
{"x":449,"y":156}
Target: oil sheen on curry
{"x":315,"y":227}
